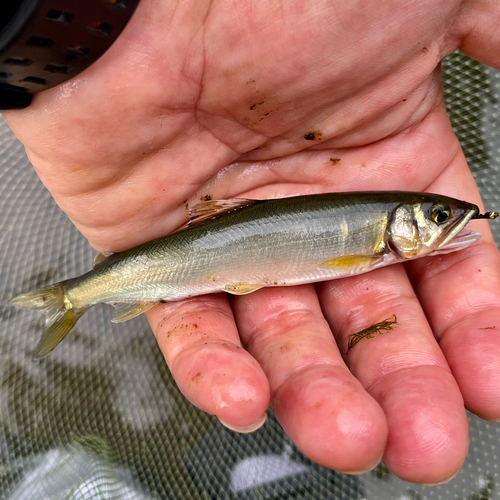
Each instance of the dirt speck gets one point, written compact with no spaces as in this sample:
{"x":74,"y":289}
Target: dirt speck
{"x":197,"y":377}
{"x":363,"y":165}
{"x":425,"y":50}
{"x":207,"y":197}
{"x":489,"y":328}
{"x":251,"y":81}
{"x":253,"y":107}
{"x":334,"y":161}
{"x":313,"y":136}
{"x":404,"y":100}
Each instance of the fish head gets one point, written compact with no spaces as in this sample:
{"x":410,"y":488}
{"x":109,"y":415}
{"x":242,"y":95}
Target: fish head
{"x":431,"y":225}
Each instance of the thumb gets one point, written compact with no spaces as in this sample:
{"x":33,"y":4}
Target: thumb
{"x":477,"y":29}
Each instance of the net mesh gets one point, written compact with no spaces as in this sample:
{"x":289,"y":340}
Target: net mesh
{"x":101,"y":418}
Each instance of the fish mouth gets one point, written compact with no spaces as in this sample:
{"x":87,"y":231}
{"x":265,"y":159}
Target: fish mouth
{"x":457,"y":241}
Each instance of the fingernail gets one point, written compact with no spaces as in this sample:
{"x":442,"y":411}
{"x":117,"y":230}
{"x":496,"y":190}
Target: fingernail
{"x":248,"y":428}
{"x":364,"y":471}
{"x":444,"y":481}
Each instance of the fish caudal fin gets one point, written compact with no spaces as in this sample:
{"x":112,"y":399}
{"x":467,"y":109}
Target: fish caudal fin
{"x":61,"y":317}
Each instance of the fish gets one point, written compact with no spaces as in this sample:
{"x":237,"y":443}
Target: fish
{"x":239,"y":246}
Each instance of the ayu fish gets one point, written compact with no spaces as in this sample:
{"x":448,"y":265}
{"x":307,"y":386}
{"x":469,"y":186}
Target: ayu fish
{"x":239,"y":246}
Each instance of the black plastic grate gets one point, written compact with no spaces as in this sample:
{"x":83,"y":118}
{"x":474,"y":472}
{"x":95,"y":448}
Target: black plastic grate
{"x":54,"y":33}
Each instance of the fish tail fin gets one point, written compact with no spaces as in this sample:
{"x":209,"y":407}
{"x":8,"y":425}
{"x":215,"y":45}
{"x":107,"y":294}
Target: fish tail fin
{"x":61,"y":316}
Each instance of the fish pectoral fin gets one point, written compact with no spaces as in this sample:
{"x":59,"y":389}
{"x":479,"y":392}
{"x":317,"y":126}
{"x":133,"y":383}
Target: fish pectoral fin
{"x":215,"y":208}
{"x":353,"y":262}
{"x":381,"y":245}
{"x":243,"y":288}
{"x":101,"y":257}
{"x":125,"y":310}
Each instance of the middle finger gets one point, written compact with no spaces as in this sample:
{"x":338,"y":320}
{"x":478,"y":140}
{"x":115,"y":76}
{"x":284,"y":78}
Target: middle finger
{"x":321,"y":406}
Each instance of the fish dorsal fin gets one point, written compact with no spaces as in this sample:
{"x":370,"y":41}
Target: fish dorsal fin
{"x":215,"y":208}
{"x":125,"y":311}
{"x":101,"y":257}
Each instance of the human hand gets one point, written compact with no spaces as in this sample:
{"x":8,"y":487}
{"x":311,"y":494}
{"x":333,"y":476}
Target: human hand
{"x":263,"y":99}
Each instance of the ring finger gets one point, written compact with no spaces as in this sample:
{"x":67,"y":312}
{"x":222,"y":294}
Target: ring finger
{"x":405,"y":371}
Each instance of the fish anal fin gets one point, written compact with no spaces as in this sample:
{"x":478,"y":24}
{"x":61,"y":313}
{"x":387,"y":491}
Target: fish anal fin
{"x":243,"y":288}
{"x":352,"y":262}
{"x":126,"y":310}
{"x":215,"y":208}
{"x":101,"y":257}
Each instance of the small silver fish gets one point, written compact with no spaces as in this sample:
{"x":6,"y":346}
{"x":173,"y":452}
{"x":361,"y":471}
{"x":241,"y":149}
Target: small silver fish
{"x":239,"y":246}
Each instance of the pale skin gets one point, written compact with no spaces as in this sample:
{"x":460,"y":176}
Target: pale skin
{"x":175,"y":111}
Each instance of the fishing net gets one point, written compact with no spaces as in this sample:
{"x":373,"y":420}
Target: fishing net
{"x":101,"y":418}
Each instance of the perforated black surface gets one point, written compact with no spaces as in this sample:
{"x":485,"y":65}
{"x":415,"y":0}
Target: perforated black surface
{"x":102,"y":417}
{"x":46,"y":42}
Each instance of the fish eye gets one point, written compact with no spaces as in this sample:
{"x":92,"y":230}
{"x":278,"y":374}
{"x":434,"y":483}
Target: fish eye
{"x":440,"y":213}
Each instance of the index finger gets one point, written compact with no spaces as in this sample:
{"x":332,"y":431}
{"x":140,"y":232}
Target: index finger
{"x":200,"y":342}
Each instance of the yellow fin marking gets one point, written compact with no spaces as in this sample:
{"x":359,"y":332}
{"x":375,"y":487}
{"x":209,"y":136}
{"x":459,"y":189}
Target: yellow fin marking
{"x":243,"y":288}
{"x":352,"y":262}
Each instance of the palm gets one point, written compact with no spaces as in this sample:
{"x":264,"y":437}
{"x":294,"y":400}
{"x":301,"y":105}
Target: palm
{"x":221,"y":102}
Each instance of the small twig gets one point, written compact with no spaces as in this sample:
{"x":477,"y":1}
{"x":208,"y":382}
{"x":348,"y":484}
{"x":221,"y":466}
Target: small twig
{"x":372,"y":331}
